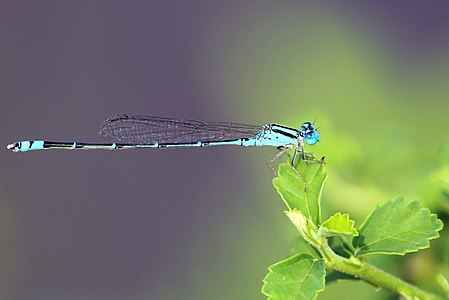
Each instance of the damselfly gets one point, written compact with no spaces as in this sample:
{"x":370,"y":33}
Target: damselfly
{"x":127,"y":131}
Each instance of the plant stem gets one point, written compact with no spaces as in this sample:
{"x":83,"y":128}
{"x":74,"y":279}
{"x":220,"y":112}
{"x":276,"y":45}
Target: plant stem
{"x":372,"y":274}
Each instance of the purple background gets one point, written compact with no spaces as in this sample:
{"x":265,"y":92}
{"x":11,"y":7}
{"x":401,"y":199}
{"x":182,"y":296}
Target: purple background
{"x":190,"y":224}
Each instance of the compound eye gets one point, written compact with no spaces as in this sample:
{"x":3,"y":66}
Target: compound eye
{"x":307,"y":126}
{"x":312,"y":127}
{"x":312,"y":138}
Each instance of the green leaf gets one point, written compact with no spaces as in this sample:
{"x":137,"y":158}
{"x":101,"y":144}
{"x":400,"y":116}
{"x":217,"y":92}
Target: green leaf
{"x":304,"y":225}
{"x":297,"y":277}
{"x":339,"y":224}
{"x":397,"y":227}
{"x":341,"y":246}
{"x":291,"y":187}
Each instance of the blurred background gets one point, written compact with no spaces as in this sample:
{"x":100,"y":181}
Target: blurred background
{"x":206,"y":223}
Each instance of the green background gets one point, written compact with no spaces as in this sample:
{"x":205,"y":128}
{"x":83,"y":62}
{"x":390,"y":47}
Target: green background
{"x":206,"y":223}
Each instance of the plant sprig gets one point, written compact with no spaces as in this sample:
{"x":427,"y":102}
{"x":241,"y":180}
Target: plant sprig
{"x":395,"y":227}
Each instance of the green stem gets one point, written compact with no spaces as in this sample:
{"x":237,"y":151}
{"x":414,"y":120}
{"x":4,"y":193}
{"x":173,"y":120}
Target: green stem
{"x":372,"y":274}
{"x":354,"y":266}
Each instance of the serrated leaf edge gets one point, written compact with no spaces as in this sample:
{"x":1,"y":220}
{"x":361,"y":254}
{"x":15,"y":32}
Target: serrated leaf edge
{"x":354,"y":231}
{"x":306,"y":256}
{"x":401,"y":198}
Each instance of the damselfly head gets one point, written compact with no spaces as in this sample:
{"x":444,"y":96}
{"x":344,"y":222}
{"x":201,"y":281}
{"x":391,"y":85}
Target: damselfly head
{"x":310,"y":133}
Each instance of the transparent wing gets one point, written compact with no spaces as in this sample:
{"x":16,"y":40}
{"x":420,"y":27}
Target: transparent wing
{"x":136,"y":129}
